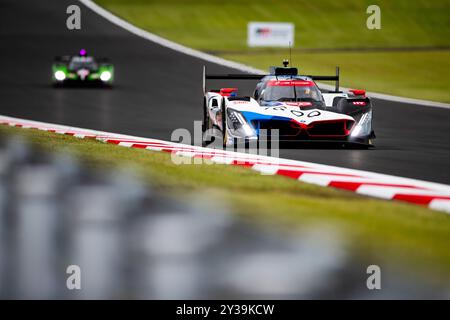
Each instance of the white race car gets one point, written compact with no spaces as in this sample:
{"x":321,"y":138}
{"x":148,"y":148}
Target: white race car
{"x":290,"y":106}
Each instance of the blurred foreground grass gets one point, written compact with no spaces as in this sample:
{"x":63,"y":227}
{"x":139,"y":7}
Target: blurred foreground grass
{"x":390,"y":230}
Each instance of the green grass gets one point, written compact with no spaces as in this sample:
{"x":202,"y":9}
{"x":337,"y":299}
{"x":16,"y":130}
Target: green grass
{"x":218,"y":24}
{"x":213,"y":25}
{"x":394,"y":230}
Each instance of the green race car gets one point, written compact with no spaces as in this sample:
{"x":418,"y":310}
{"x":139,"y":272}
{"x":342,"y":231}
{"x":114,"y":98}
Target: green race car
{"x":82,"y":70}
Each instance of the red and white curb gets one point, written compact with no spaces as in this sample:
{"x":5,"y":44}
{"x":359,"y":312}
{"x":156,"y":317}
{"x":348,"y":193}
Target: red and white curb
{"x":433,"y":195}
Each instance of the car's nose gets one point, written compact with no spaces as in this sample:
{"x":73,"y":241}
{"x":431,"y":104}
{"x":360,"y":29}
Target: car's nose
{"x":83,"y":73}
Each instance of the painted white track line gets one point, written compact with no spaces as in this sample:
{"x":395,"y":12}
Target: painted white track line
{"x":434,"y":195}
{"x":223,"y":62}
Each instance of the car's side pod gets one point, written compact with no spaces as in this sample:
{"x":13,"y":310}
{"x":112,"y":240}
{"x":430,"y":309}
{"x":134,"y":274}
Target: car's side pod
{"x":247,"y":76}
{"x":329,"y":78}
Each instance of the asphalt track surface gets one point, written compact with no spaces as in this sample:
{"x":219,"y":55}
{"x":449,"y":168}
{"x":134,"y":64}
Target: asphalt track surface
{"x":158,"y":90}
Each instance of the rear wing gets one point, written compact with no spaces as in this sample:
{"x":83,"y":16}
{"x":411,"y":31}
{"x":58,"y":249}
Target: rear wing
{"x":248,"y":76}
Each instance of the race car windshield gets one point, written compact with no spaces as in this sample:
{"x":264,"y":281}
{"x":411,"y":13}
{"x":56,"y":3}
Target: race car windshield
{"x":83,"y":63}
{"x":292,"y":93}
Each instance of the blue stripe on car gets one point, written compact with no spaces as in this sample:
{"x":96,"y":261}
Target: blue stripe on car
{"x":251,"y":116}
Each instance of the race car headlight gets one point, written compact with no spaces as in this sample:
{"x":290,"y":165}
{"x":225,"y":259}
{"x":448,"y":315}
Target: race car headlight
{"x":105,"y":76}
{"x":238,"y":125}
{"x":60,"y":75}
{"x":363,"y":128}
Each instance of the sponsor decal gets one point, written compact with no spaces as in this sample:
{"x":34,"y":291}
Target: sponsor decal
{"x":297,"y":113}
{"x":83,"y":73}
{"x":240,"y":102}
{"x":290,"y":83}
{"x":299,"y":104}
